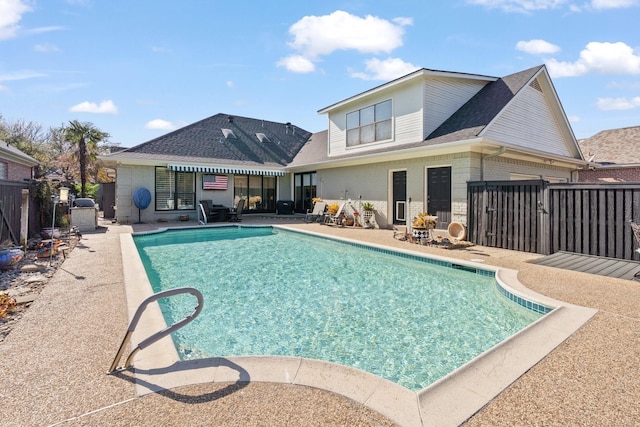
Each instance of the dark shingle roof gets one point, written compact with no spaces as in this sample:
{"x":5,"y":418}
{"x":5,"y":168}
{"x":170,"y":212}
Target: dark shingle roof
{"x":481,"y":109}
{"x":204,"y":141}
{"x":621,"y":146}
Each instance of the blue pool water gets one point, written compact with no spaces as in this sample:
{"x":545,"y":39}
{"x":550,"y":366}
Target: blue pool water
{"x":275,"y":292}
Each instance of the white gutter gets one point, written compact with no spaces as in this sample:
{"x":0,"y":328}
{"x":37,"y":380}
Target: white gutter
{"x":498,"y":153}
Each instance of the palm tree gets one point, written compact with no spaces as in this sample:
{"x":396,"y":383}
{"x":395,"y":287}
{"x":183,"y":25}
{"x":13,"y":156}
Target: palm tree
{"x":86,"y":137}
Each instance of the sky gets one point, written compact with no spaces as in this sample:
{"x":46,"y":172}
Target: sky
{"x":139,"y":69}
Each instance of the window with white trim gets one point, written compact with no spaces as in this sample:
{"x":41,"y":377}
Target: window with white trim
{"x":175,"y":190}
{"x":369,"y":124}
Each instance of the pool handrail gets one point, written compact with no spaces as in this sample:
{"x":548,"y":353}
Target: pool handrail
{"x":160,"y":334}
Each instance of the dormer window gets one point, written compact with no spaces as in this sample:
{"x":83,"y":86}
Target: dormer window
{"x":228,"y":133}
{"x":262,"y":137}
{"x":369,"y":124}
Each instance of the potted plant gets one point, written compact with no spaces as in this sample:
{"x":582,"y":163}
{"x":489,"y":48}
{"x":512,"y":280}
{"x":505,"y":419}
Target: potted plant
{"x":424,"y":221}
{"x":367,"y":213}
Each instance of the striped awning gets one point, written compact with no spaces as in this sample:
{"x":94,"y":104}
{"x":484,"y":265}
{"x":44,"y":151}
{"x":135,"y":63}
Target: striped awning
{"x":237,"y":171}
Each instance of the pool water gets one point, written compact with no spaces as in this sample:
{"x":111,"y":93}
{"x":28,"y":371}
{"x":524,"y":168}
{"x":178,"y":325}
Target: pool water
{"x":275,"y":292}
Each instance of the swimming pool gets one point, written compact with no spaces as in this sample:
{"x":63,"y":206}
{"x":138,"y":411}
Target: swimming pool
{"x":276,"y":292}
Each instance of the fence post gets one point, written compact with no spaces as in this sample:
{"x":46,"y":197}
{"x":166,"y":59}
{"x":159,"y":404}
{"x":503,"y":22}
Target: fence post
{"x":545,"y":226}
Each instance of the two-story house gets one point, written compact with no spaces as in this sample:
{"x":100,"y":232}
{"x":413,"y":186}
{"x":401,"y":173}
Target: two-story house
{"x":407,"y":146}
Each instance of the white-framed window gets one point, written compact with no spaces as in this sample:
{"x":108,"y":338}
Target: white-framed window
{"x":174,"y":190}
{"x":369,"y":124}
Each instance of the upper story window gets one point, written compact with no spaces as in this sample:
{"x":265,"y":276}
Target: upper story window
{"x":369,"y":124}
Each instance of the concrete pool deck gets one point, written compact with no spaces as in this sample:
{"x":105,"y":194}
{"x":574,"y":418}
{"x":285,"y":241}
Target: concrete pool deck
{"x":54,"y":360}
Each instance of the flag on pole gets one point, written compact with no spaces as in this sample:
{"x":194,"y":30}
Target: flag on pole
{"x":214,"y":182}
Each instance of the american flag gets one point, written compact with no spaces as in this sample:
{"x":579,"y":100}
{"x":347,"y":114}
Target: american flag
{"x":214,"y":182}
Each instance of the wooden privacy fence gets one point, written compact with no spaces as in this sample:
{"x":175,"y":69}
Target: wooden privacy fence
{"x":505,"y":214}
{"x":535,"y":216}
{"x":11,"y":210}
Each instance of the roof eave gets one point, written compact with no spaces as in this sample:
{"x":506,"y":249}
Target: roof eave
{"x":421,"y":73}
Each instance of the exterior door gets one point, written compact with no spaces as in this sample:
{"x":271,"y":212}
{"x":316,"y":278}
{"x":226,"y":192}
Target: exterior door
{"x":108,"y":200}
{"x":400,"y":197}
{"x":439,"y":195}
{"x":305,"y":191}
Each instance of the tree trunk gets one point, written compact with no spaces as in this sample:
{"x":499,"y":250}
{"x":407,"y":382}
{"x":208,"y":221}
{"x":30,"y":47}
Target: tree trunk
{"x":82,"y":153}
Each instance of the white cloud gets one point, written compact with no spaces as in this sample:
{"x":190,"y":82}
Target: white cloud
{"x":607,"y":104}
{"x":537,"y":47}
{"x":46,"y":48}
{"x":317,"y":36}
{"x":20,"y":75}
{"x":105,"y":107}
{"x":519,"y":5}
{"x":230,"y":84}
{"x":159,"y":124}
{"x":11,"y":12}
{"x":601,"y":58}
{"x":387,"y":69}
{"x":42,"y":30}
{"x":297,"y":64}
{"x":613,"y":4}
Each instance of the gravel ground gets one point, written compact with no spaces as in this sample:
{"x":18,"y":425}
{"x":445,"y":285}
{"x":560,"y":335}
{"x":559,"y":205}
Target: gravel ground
{"x":25,"y":280}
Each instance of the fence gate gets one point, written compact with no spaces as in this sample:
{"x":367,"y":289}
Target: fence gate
{"x":508,"y":215}
{"x":11,"y":211}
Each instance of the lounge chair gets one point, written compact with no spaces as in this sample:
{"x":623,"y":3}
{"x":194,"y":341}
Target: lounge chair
{"x":235,"y":214}
{"x":316,"y":214}
{"x":336,"y":218}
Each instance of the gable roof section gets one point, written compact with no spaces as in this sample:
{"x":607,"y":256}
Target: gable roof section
{"x":619,"y":146}
{"x":468,"y":124}
{"x":204,"y":142}
{"x":500,"y":113}
{"x":11,"y":153}
{"x":473,"y":117}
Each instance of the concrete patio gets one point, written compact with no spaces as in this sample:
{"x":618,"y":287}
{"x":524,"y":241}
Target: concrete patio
{"x":54,"y":361}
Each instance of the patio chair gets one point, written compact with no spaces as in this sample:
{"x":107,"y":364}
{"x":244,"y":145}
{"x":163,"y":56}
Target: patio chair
{"x":317,"y":214}
{"x":235,"y":214}
{"x":635,"y":227}
{"x":207,"y":209}
{"x":335,"y":218}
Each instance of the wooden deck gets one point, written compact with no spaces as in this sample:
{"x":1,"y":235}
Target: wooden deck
{"x":610,"y":267}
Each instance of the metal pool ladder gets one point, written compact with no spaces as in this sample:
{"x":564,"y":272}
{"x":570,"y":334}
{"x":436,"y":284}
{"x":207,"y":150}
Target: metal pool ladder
{"x":158,"y":335}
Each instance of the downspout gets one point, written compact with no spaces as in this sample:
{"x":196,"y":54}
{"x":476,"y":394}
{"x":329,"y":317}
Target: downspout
{"x":498,"y":153}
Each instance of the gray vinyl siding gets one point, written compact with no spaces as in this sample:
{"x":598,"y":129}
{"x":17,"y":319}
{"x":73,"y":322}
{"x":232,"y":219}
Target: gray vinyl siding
{"x":443,"y":97}
{"x":406,"y":120}
{"x":530,"y":123}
